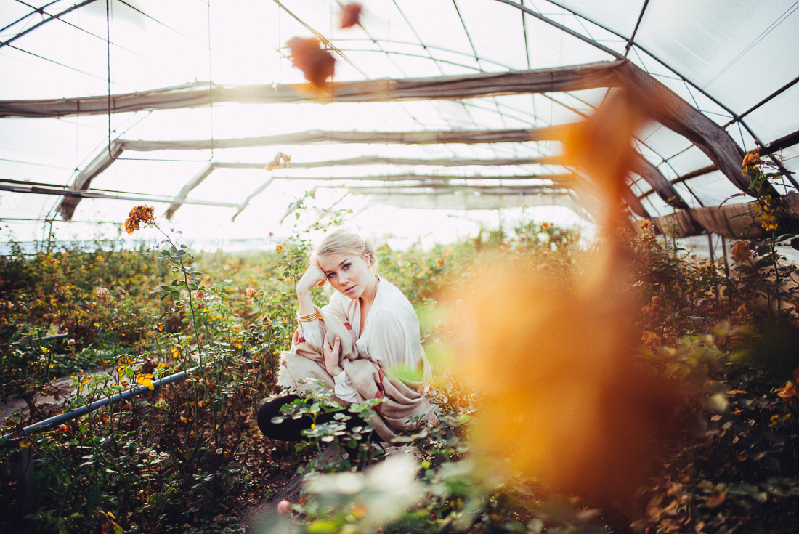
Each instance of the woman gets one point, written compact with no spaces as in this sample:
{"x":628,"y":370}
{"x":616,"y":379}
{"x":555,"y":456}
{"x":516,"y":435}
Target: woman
{"x":357,"y":345}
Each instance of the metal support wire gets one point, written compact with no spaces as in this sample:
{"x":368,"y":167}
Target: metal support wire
{"x":480,"y":67}
{"x":41,"y":426}
{"x":436,"y":62}
{"x":635,"y":31}
{"x":39,"y":10}
{"x":45,"y":21}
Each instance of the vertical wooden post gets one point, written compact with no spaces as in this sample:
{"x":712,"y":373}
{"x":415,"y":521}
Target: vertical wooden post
{"x":726,"y":261}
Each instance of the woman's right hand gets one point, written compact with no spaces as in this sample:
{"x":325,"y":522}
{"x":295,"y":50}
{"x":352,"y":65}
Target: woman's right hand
{"x":314,"y":276}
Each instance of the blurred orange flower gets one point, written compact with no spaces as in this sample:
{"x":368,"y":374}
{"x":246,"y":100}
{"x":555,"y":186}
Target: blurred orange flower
{"x":554,"y":359}
{"x":350,"y":15}
{"x":251,"y":292}
{"x":316,"y":63}
{"x":556,"y":370}
{"x":740,"y":251}
{"x":790,"y":393}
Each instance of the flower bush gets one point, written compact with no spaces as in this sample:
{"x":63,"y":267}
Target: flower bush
{"x":188,"y":457}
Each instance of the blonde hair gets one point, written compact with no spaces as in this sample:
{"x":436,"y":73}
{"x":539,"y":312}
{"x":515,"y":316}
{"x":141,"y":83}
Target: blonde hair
{"x":342,"y":241}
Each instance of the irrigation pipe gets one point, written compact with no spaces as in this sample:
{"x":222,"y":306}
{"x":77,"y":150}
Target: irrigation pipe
{"x":68,"y":416}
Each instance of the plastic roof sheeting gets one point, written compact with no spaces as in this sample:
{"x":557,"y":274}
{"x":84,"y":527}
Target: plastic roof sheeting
{"x":726,"y":59}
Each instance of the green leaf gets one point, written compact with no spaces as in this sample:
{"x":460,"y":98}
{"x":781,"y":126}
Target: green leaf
{"x":323,"y":526}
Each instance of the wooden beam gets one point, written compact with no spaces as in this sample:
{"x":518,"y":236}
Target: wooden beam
{"x":427,"y":189}
{"x":84,"y":179}
{"x":414,"y":162}
{"x":666,"y":107}
{"x":246,"y":202}
{"x":787,"y":141}
{"x":69,"y":193}
{"x":466,"y":137}
{"x":660,"y":185}
{"x":685,"y":177}
{"x":201,"y":94}
{"x":734,"y":221}
{"x":186,"y":189}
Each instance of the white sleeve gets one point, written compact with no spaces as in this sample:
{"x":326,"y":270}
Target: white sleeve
{"x":344,"y":389}
{"x":314,"y":331}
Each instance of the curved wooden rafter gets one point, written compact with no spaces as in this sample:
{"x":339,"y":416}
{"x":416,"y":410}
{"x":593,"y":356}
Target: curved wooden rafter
{"x":83,"y":181}
{"x":661,"y":104}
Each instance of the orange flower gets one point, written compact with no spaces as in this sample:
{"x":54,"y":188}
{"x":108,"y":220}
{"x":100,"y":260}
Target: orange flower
{"x":139,"y":214}
{"x":199,"y":294}
{"x":740,"y":251}
{"x":647,"y":237}
{"x":279,"y":248}
{"x":545,"y":225}
{"x":251,"y":292}
{"x":790,"y":393}
{"x":440,"y":262}
{"x":645,"y":224}
{"x":280,"y":160}
{"x":752,"y":158}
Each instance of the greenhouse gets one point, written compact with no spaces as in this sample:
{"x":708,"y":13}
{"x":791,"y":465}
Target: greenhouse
{"x":591,"y":207}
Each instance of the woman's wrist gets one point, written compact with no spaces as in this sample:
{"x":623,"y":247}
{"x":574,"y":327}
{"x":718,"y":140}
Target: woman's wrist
{"x":302,"y":291}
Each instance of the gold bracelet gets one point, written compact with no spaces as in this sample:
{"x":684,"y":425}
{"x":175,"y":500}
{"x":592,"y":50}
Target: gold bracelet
{"x":310,"y":317}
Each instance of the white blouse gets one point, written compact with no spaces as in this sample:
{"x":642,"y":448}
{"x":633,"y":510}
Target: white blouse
{"x":390,"y":336}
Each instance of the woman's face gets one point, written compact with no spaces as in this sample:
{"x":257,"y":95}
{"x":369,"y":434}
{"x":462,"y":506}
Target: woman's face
{"x":348,"y":273}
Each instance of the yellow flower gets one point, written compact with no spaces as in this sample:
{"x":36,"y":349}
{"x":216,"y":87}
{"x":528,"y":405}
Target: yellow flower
{"x":648,"y":237}
{"x":145,"y":380}
{"x":279,"y":248}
